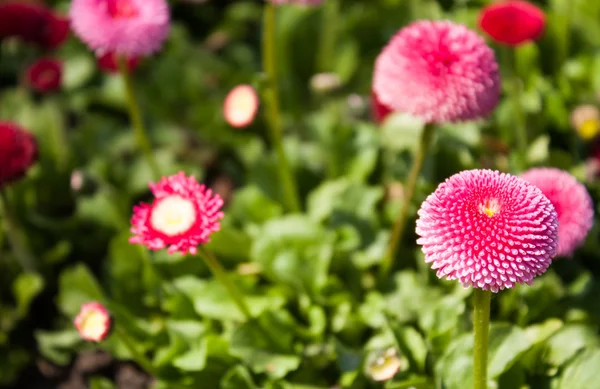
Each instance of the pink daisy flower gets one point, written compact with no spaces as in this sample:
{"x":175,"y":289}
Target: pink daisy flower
{"x":127,"y":27}
{"x":18,"y":151}
{"x":439,"y":71}
{"x":183,"y":215}
{"x":488,"y":230}
{"x":240,"y":106}
{"x":512,"y":22}
{"x":93,"y":322}
{"x":572,"y":202}
{"x":44,"y":75}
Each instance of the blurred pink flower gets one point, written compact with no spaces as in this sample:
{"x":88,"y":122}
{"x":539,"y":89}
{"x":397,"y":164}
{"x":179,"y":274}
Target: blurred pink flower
{"x":512,"y":22}
{"x":240,"y":106}
{"x":44,"y":75}
{"x":126,"y":27}
{"x":572,"y":202}
{"x":488,"y":230}
{"x":439,"y":71}
{"x":108,"y":63}
{"x":183,"y":215}
{"x":33,"y":23}
{"x":18,"y":151}
{"x":93,"y":322}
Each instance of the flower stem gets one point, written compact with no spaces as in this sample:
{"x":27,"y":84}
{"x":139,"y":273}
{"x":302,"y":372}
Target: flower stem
{"x":328,"y":35}
{"x":136,"y":118}
{"x":139,"y":357}
{"x":411,"y":183}
{"x":15,"y":236}
{"x":271,"y":99}
{"x":481,"y":327}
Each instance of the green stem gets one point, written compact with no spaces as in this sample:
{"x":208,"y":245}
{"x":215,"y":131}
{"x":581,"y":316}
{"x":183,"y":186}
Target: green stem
{"x":481,"y":328}
{"x":271,"y":100}
{"x":409,"y":191}
{"x":136,"y":118}
{"x":330,"y":11}
{"x":139,"y":357}
{"x":15,"y":236}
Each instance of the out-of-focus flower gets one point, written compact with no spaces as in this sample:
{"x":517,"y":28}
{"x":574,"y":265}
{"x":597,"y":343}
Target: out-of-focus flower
{"x":383,"y":365}
{"x":93,"y":322}
{"x":133,"y":28}
{"x":33,"y":23}
{"x":512,"y":22}
{"x":240,"y":106}
{"x":572,"y":202}
{"x":18,"y":151}
{"x":325,"y":82}
{"x":108,"y":63}
{"x":44,"y":75}
{"x":438,"y":71}
{"x":585,"y":119}
{"x":183,"y":216}
{"x":488,"y":230}
{"x":300,"y":2}
{"x":378,"y":109}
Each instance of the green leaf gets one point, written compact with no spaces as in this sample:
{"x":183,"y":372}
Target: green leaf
{"x":101,"y":383}
{"x":401,"y":131}
{"x":566,"y":342}
{"x":582,"y":372}
{"x":538,"y":151}
{"x":193,"y":360}
{"x":410,"y":297}
{"x":506,"y":344}
{"x":252,"y":206}
{"x":230,"y":242}
{"x":78,"y":69}
{"x":25,"y":288}
{"x":455,"y":367}
{"x":238,"y":377}
{"x":411,"y":383}
{"x":412,"y":346}
{"x":57,"y":346}
{"x":77,"y":286}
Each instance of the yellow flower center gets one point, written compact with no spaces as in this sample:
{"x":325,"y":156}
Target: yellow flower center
{"x":173,"y":215}
{"x":93,"y":325}
{"x":490,"y":207}
{"x":589,"y":129}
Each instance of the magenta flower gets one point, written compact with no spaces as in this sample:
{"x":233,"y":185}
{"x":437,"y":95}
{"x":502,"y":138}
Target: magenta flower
{"x":18,"y":151}
{"x":44,"y":75}
{"x":512,"y":22}
{"x":93,"y":322}
{"x":488,"y":230}
{"x":572,"y":202}
{"x":439,"y":71}
{"x":183,"y":215}
{"x":131,"y":28}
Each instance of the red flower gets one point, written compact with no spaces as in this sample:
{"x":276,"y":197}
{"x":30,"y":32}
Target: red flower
{"x":44,"y":75}
{"x":378,"y":109}
{"x":18,"y":151}
{"x":512,"y":22}
{"x":183,"y":215}
{"x":33,"y":23}
{"x":108,"y":63}
{"x":93,"y":322}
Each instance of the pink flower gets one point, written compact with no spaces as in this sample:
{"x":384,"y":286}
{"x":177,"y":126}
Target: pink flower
{"x":512,"y":22}
{"x":108,"y":63}
{"x":183,"y":215}
{"x":18,"y":151}
{"x":488,"y":230}
{"x":44,"y":75}
{"x":127,"y":27}
{"x":439,"y":71}
{"x":93,"y":322}
{"x":572,"y":202}
{"x":240,"y":106}
{"x":33,"y":23}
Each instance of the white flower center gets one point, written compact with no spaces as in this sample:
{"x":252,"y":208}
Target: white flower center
{"x":173,"y":215}
{"x":94,"y":325}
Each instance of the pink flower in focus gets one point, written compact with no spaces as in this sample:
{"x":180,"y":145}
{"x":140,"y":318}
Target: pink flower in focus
{"x":512,"y":22}
{"x":18,"y":151}
{"x":183,"y":215}
{"x":33,"y":23}
{"x":572,"y":202}
{"x":44,"y":75}
{"x":240,"y":106}
{"x":108,"y":63}
{"x":126,"y":27}
{"x":488,"y":230}
{"x":93,"y":322}
{"x":438,"y":71}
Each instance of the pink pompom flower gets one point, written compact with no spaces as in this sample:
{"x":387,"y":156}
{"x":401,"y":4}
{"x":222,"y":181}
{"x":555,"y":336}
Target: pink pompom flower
{"x":512,"y":22}
{"x":44,"y":75}
{"x":132,"y":28}
{"x":18,"y":151}
{"x":439,"y":71}
{"x":183,"y":215}
{"x":488,"y":230}
{"x":240,"y":106}
{"x":108,"y":62}
{"x":93,"y":322}
{"x":572,"y":202}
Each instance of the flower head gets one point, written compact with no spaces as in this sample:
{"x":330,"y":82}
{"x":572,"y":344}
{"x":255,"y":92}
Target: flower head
{"x":108,"y":63}
{"x":44,"y":75}
{"x":512,"y":22}
{"x":572,"y":202}
{"x":18,"y":151}
{"x":438,"y":71}
{"x":93,"y":322}
{"x":240,"y":106}
{"x":33,"y":23}
{"x":382,"y":365}
{"x":183,"y":215}
{"x":127,"y":27}
{"x":488,"y":230}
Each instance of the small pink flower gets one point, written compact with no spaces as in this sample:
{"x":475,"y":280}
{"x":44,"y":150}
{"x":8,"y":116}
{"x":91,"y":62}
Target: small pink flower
{"x":183,"y":215}
{"x":439,"y":71}
{"x":127,"y":27}
{"x":240,"y":106}
{"x":18,"y":151}
{"x":108,"y":63}
{"x":93,"y":322}
{"x":512,"y":22}
{"x":44,"y":75}
{"x":488,"y":230}
{"x":572,"y":202}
